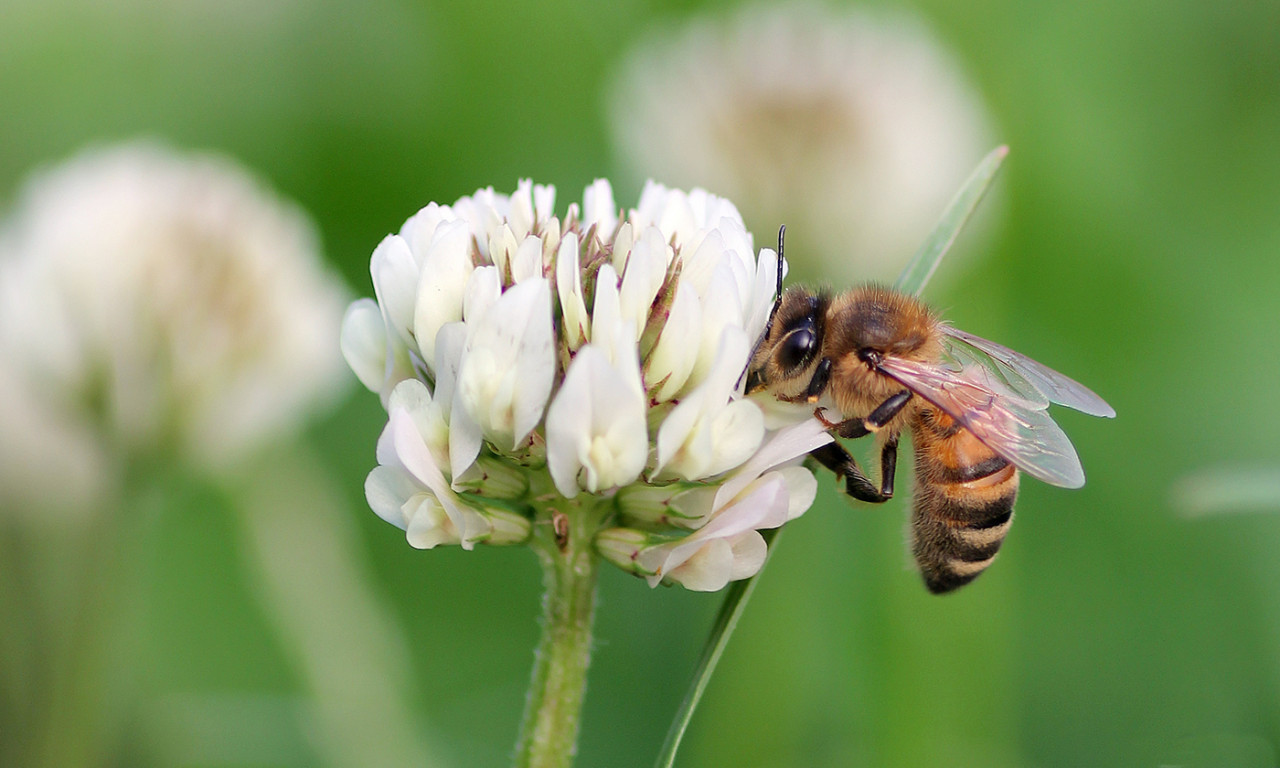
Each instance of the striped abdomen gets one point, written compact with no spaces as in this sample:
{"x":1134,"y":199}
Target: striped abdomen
{"x":963,"y":502}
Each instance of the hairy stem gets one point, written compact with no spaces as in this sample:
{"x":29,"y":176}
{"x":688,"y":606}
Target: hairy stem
{"x":553,"y":710}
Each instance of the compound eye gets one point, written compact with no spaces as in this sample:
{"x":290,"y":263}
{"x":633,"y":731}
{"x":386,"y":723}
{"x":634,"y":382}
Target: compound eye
{"x":796,"y":348}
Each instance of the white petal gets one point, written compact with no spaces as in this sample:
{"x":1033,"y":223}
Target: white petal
{"x":683,"y":445}
{"x":508,"y":366}
{"x":645,"y":271}
{"x":762,"y":294}
{"x":741,"y":266}
{"x":464,"y":434}
{"x":536,"y":362}
{"x":672,"y":359}
{"x":778,"y":413}
{"x":577,"y":324}
{"x":483,"y":289}
{"x":731,"y":357}
{"x":721,"y":310}
{"x":521,"y":216}
{"x":503,"y":244}
{"x":465,"y":437}
{"x":596,"y":433}
{"x":450,"y":340}
{"x":736,"y":432}
{"x":412,"y":453}
{"x":802,"y":488}
{"x":702,"y":435}
{"x":527,"y":261}
{"x":412,"y":397}
{"x":766,"y":502}
{"x":395,"y":282}
{"x":386,"y":489}
{"x":364,"y":342}
{"x":550,"y":244}
{"x":484,"y":212}
{"x":764,"y":505}
{"x":667,"y":209}
{"x":599,"y":210}
{"x":749,"y":553}
{"x":428,"y":523}
{"x":606,"y":312}
{"x":544,"y":202}
{"x":739,"y":255}
{"x":622,"y":244}
{"x":700,"y":263}
{"x":786,"y":445}
{"x":612,"y":331}
{"x":707,"y":570}
{"x":446,"y":266}
{"x":420,"y":229}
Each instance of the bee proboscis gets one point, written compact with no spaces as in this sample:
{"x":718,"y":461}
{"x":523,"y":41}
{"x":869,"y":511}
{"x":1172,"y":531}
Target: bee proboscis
{"x":976,"y":410}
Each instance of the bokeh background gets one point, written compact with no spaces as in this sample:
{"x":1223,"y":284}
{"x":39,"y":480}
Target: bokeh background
{"x":1137,"y":248}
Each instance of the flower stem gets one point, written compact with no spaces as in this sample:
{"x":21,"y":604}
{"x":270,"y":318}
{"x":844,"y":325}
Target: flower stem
{"x":553,"y":710}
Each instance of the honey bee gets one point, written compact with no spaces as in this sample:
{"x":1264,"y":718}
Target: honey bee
{"x":976,"y":411}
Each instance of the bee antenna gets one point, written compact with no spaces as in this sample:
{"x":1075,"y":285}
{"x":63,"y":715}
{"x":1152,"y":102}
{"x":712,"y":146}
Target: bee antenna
{"x":777,"y":304}
{"x":782,"y":233}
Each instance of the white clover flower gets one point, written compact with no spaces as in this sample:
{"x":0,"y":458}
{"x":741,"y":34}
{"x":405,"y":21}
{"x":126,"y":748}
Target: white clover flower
{"x":533,"y":366}
{"x":167,"y":301}
{"x":410,"y":487}
{"x":853,"y":128}
{"x":762,"y":493}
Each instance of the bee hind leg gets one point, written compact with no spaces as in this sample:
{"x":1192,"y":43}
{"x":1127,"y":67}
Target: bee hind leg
{"x":834,"y":457}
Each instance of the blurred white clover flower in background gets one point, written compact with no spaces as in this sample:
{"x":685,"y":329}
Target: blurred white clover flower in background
{"x":853,"y":127}
{"x":156,"y":301}
{"x":532,"y":365}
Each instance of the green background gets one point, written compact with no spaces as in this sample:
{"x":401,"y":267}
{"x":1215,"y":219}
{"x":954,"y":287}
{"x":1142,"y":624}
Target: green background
{"x":1139,"y":252}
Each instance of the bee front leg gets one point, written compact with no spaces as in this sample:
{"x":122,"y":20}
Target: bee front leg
{"x":816,"y":386}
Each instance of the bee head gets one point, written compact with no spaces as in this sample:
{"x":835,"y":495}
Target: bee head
{"x":791,"y":345}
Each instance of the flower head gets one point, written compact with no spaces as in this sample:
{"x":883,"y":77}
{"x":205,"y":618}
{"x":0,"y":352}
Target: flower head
{"x":157,"y":300}
{"x":532,"y":363}
{"x":852,"y":127}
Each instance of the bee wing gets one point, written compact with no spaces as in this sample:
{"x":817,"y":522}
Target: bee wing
{"x":1013,"y":425}
{"x":1053,"y":385}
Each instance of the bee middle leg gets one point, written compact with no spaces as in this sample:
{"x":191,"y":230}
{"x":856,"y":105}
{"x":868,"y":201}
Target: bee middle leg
{"x":874,"y":421}
{"x":834,"y":457}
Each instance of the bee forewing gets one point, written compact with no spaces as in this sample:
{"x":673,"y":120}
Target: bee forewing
{"x":1016,"y":428}
{"x":983,"y":368}
{"x":1060,"y":389}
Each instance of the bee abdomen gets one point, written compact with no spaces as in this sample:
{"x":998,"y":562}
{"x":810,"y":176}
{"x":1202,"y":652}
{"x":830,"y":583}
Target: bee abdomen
{"x":962,"y":515}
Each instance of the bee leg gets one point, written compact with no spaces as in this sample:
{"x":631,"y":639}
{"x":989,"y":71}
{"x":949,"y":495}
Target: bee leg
{"x":834,"y":457}
{"x":817,"y":385}
{"x":874,"y":421}
{"x":888,"y":464}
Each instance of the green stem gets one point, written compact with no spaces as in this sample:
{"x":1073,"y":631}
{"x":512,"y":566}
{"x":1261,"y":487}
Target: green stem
{"x":553,"y":710}
{"x":92,"y":679}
